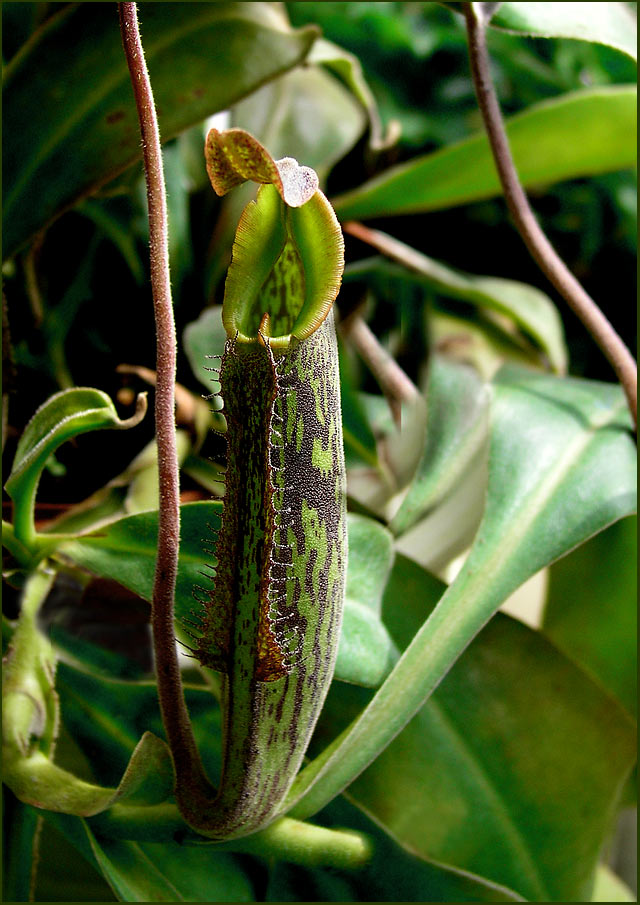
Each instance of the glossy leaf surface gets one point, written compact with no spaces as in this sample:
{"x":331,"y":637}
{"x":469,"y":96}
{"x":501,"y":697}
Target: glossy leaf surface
{"x":84,"y":130}
{"x":393,"y":874}
{"x":126,"y":551}
{"x":603,"y":23}
{"x":591,"y":610}
{"x":457,"y":408}
{"x":510,"y":770}
{"x":579,"y":134}
{"x":365,"y":651}
{"x":581,"y":478}
{"x":64,"y":415}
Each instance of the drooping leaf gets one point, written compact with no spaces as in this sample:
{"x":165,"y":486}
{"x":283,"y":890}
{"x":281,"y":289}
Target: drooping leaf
{"x":513,"y":767}
{"x":579,"y":134}
{"x":591,"y":610}
{"x":348,"y":67}
{"x":603,"y":23}
{"x":562,"y":466}
{"x":83,"y":131}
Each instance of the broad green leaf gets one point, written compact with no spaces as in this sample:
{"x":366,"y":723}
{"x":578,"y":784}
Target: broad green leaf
{"x":394,"y":873}
{"x":365,"y":651}
{"x":578,"y":134}
{"x":591,"y":610}
{"x":63,"y":416}
{"x":21,"y":831}
{"x":529,"y":308}
{"x":84,"y":130}
{"x":107,"y":716}
{"x":152,"y":872}
{"x":126,"y":551}
{"x":562,"y":466}
{"x":55,"y":882}
{"x":480,"y":342}
{"x":306,"y":114}
{"x":457,"y":404}
{"x":514,"y":780}
{"x":613,"y":24}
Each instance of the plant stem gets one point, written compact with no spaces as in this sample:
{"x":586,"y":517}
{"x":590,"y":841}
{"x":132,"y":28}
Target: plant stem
{"x":393,"y":381}
{"x":285,"y":840}
{"x":175,"y":715}
{"x":533,"y":236}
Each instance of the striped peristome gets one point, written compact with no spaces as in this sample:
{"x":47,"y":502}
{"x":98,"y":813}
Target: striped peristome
{"x":272,"y":622}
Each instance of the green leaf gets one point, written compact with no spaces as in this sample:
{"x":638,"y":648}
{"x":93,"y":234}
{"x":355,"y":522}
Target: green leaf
{"x":578,"y":134}
{"x":348,"y":68}
{"x":160,"y":872}
{"x":562,"y":466}
{"x":457,"y":407}
{"x":106,"y":717}
{"x":528,"y":307}
{"x":306,"y":114}
{"x":126,"y":551}
{"x":203,"y":340}
{"x":613,"y":24}
{"x":393,"y":873}
{"x":591,"y":610}
{"x":365,"y":651}
{"x":509,"y":778}
{"x":63,"y":416}
{"x":60,"y":151}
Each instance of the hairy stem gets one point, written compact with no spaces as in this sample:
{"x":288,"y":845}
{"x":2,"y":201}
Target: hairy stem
{"x":170,"y":692}
{"x":533,"y":236}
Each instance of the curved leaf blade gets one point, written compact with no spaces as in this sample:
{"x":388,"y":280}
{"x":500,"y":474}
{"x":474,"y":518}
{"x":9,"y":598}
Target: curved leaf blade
{"x":612,"y":24}
{"x":562,"y":467}
{"x":489,"y":776}
{"x":457,"y":407}
{"x":126,"y":551}
{"x":64,"y":415}
{"x":578,"y":134}
{"x":365,"y":653}
{"x":83,"y":131}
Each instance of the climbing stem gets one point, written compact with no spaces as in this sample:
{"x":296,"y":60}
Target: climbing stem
{"x":170,"y":692}
{"x":533,"y":236}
